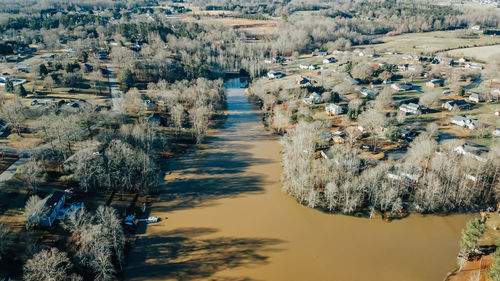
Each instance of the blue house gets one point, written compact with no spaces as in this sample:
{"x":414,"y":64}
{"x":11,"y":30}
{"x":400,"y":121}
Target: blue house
{"x":53,"y":205}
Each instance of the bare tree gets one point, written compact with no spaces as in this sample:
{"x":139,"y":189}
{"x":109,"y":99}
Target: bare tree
{"x":29,"y":173}
{"x":13,"y":113}
{"x":200,"y":117}
{"x":178,"y":116}
{"x":34,"y":210}
{"x":50,"y":264}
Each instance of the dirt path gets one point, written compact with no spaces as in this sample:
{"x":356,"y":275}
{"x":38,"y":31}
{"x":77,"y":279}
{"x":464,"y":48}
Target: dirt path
{"x":229,"y":220}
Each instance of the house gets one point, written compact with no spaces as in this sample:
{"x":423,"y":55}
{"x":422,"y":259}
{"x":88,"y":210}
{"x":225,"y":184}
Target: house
{"x":135,"y":48}
{"x":329,"y":60}
{"x":401,"y":86}
{"x":102,"y":55}
{"x":412,"y":108}
{"x":462,"y":60}
{"x":474,"y":66}
{"x":312,"y":67}
{"x":268,"y":61}
{"x":333,"y":109}
{"x":313,"y":98}
{"x":403,"y":67}
{"x":464,"y":121}
{"x":367,"y":92}
{"x":320,"y":53}
{"x":472,"y":150}
{"x":411,"y":57}
{"x":149,"y":105}
{"x":444,"y":60}
{"x":53,"y":205}
{"x":496,"y":133}
{"x":302,"y":80}
{"x":12,"y":59}
{"x":155,"y":118}
{"x":303,"y":66}
{"x":475,"y":27}
{"x":88,"y":67}
{"x":475,"y":97}
{"x":113,"y":43}
{"x":274,"y":74}
{"x":460,"y":104}
{"x":435,"y":83}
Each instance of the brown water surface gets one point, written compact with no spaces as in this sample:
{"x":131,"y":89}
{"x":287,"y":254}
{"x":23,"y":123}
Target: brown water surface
{"x":229,"y":220}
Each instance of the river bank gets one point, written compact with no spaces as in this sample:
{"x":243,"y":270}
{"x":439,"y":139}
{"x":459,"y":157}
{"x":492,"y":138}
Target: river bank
{"x":229,"y":220}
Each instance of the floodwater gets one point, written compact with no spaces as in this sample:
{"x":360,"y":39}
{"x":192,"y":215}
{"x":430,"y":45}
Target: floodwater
{"x":229,"y":220}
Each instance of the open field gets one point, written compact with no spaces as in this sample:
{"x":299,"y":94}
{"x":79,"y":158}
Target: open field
{"x":477,"y":53}
{"x":430,"y":42}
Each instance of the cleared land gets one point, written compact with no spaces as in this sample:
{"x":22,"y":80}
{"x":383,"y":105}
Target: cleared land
{"x":429,"y":42}
{"x":477,"y":53}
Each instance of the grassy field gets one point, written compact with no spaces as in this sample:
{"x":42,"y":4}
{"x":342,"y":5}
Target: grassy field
{"x":430,"y":42}
{"x":485,"y":53}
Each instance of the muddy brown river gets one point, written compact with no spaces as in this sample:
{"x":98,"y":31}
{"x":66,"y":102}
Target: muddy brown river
{"x":229,"y":220}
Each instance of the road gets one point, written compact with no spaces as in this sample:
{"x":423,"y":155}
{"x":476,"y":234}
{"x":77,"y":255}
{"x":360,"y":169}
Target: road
{"x":113,"y":87}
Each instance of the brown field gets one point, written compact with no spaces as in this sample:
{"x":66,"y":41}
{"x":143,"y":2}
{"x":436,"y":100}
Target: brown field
{"x":477,"y":53}
{"x":432,"y":41}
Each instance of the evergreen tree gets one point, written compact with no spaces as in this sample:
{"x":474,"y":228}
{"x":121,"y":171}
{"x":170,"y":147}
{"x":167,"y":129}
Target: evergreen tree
{"x":125,"y":79}
{"x":9,"y":86}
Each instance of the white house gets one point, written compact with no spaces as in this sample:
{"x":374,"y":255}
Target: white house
{"x":460,"y":104}
{"x":464,"y":121}
{"x":412,"y":108}
{"x":434,"y":83}
{"x":474,"y":66}
{"x":475,"y":27}
{"x":333,"y":109}
{"x":313,"y":98}
{"x":329,"y":60}
{"x":401,"y":86}
{"x":367,"y":92}
{"x":274,"y":74}
{"x":496,"y":133}
{"x":303,"y":66}
{"x":312,"y":67}
{"x":475,"y":97}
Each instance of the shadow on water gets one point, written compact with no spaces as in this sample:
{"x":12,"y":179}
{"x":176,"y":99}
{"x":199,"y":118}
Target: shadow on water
{"x":181,"y":254}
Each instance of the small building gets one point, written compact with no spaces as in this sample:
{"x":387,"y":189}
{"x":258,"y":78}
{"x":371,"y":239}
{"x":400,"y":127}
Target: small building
{"x":313,"y":98}
{"x":367,"y":92}
{"x":412,"y":108}
{"x":472,"y":150}
{"x":401,"y":86}
{"x":102,"y":55}
{"x":329,"y":60}
{"x":444,"y":60}
{"x":435,"y":83}
{"x":312,"y":67}
{"x":274,"y":74}
{"x":475,"y":27}
{"x":460,"y":104}
{"x":474,"y":66}
{"x":302,"y":80}
{"x":464,"y":121}
{"x":53,"y":205}
{"x":475,"y":97}
{"x":496,"y":133}
{"x":320,"y":53}
{"x":403,"y":67}
{"x":303,"y":66}
{"x":333,"y":109}
{"x":155,"y":118}
{"x":135,"y":47}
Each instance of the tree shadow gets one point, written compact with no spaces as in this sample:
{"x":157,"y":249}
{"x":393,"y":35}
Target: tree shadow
{"x":181,"y":255}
